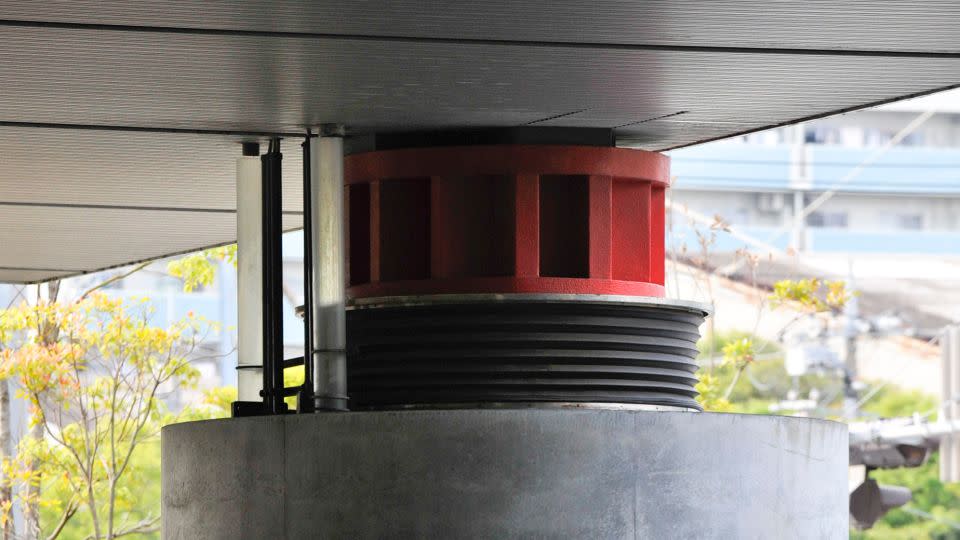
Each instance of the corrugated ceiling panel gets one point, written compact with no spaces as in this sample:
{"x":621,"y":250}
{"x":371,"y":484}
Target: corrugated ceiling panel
{"x":145,"y":170}
{"x":79,"y":200}
{"x":28,"y":276}
{"x":76,"y":240}
{"x":251,"y":83}
{"x":926,"y":25}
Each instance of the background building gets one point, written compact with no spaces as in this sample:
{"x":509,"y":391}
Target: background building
{"x":901,"y":199}
{"x":869,"y":197}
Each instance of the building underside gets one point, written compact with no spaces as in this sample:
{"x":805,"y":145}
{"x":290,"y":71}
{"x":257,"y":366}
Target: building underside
{"x":121,"y":123}
{"x":489,"y":349}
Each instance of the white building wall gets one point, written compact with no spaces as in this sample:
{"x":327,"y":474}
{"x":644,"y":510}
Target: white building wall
{"x":868,"y":212}
{"x":735,"y":207}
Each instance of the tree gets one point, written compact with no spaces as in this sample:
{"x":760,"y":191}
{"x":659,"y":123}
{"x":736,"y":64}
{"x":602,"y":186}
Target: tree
{"x":92,"y":370}
{"x":94,"y":390}
{"x":809,"y":297}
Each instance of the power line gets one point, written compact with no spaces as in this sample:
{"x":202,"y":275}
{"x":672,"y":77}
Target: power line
{"x":883,"y":385}
{"x":833,"y":190}
{"x":787,"y":163}
{"x":777,"y":184}
{"x":926,"y":515}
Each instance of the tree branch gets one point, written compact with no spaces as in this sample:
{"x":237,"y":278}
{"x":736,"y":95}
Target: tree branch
{"x":114,"y":279}
{"x":145,"y":526}
{"x":68,"y":513}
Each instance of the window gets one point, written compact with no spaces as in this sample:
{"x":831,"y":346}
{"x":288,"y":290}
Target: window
{"x":911,"y":222}
{"x":769,"y":137}
{"x":821,"y":135}
{"x":891,"y":220}
{"x":740,"y":216}
{"x":827,"y":219}
{"x":913,"y":139}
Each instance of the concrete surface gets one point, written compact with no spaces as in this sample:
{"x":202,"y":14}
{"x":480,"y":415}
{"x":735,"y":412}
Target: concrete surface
{"x":515,"y":473}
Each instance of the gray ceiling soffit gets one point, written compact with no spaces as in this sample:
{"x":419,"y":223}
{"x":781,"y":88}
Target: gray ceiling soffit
{"x":143,"y":104}
{"x":858,"y":25}
{"x":258,"y":84}
{"x":136,"y":171}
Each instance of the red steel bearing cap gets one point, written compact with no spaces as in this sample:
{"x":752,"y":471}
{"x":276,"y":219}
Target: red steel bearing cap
{"x":511,"y":218}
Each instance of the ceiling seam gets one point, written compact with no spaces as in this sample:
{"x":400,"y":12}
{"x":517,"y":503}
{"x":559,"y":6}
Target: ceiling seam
{"x":76,"y":273}
{"x":645,"y":120}
{"x":129,"y":207}
{"x":147,"y":129}
{"x":32,"y":269}
{"x":476,"y":41}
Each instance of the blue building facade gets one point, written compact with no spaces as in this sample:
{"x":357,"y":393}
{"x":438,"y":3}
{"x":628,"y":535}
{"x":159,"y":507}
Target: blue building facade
{"x":884,"y":199}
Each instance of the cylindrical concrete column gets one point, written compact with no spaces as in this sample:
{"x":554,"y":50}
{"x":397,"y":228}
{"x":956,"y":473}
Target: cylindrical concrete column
{"x":521,"y":473}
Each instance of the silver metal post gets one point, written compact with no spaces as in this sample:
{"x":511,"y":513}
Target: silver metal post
{"x":249,"y":277}
{"x":329,"y":330}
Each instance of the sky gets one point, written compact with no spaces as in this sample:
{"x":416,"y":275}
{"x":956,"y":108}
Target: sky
{"x":947,"y":101}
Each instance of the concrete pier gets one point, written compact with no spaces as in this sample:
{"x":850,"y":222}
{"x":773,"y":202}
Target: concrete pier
{"x":506,"y":473}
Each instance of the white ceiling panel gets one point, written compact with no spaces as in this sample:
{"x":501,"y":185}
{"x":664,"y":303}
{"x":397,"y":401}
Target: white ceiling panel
{"x":69,"y":241}
{"x":130,"y":170}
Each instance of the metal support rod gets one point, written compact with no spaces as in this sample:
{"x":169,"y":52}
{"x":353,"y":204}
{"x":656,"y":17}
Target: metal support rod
{"x":305,"y":401}
{"x":329,"y":284}
{"x":953,"y":338}
{"x":272,"y":227}
{"x":249,"y":291}
{"x":947,"y":474}
{"x":950,"y":445}
{"x":889,"y":432}
{"x":851,"y":396}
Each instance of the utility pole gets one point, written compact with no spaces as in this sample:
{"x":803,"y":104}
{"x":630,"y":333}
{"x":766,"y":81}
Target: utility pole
{"x":850,"y":335}
{"x":799,"y":183}
{"x":950,"y":412}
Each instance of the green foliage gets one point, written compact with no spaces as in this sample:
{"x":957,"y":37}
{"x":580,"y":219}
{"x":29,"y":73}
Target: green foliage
{"x":719,"y":341}
{"x":138,"y":500}
{"x":738,"y":353}
{"x":723,"y":389}
{"x":811,"y":294}
{"x":765,"y":381}
{"x":890,"y":402}
{"x":92,"y":371}
{"x":292,"y":376}
{"x":140,"y":489}
{"x":198,"y":269}
{"x":711,"y":394}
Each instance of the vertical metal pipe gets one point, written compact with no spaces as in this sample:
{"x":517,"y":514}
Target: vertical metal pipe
{"x":249,"y":286}
{"x":329,"y":284}
{"x":953,"y":348}
{"x":947,"y":474}
{"x":272,"y":228}
{"x":305,"y":401}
